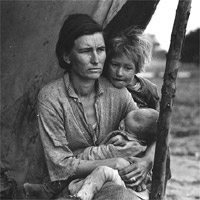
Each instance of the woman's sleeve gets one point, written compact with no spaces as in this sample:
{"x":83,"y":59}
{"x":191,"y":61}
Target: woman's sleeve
{"x":100,"y":152}
{"x":60,"y":160}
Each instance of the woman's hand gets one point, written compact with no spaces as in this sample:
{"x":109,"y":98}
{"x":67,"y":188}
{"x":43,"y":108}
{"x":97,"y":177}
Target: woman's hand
{"x":135,"y":174}
{"x":121,"y":163}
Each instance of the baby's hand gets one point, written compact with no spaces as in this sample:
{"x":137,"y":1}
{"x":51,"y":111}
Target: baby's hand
{"x":117,"y":140}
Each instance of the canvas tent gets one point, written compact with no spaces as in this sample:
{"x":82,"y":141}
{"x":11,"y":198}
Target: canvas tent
{"x":29,"y":31}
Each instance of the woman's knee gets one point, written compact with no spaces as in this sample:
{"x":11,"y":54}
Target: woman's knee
{"x":112,"y":191}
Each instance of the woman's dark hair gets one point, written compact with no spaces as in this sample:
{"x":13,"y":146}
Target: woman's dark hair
{"x":75,"y":26}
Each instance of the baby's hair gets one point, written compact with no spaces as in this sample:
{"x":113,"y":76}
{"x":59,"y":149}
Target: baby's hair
{"x":143,"y":123}
{"x":134,"y":44}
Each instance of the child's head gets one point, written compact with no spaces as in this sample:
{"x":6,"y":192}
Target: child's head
{"x":127,"y":54}
{"x":141,"y":124}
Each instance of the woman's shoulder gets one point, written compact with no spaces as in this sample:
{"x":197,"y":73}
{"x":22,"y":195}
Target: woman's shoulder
{"x":51,"y":89}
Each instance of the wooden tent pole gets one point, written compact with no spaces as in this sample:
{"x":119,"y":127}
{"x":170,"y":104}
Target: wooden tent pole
{"x":168,"y":93}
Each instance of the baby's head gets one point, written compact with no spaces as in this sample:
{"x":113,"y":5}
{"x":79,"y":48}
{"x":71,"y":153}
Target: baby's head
{"x":141,"y":124}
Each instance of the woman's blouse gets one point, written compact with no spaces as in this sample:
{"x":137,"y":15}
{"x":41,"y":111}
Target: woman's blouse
{"x":63,"y":126}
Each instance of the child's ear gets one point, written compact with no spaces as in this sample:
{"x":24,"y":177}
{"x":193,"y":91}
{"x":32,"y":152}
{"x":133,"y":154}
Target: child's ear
{"x":122,"y":126}
{"x":66,"y":58}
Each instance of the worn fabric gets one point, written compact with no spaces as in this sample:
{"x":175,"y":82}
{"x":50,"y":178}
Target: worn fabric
{"x":63,"y":125}
{"x":94,"y":182}
{"x":105,"y":151}
{"x":112,"y":191}
{"x":147,"y":95}
{"x":106,"y":10}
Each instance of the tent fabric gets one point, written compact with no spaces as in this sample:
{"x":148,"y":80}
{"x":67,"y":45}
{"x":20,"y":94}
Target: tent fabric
{"x":29,"y":32}
{"x":106,"y":10}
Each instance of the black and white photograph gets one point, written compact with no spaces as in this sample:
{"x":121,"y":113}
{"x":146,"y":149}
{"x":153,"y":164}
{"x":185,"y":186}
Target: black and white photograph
{"x":100,"y":100}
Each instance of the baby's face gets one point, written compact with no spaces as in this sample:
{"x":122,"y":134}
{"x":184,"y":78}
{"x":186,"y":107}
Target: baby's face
{"x":127,"y":125}
{"x":122,"y":125}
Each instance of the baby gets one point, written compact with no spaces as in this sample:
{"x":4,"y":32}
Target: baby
{"x":139,"y":126}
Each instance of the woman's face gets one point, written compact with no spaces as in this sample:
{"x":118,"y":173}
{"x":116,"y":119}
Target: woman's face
{"x":88,"y":56}
{"x":121,"y":71}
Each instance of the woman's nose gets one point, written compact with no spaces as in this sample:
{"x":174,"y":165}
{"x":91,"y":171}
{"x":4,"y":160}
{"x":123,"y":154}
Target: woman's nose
{"x":94,"y":58}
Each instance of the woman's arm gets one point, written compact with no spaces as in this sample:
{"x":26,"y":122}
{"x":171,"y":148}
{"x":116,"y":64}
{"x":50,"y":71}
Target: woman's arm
{"x":114,"y":145}
{"x":85,"y":167}
{"x":61,"y":161}
{"x":137,"y":171}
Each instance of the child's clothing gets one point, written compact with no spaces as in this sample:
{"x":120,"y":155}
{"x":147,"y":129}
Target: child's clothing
{"x":145,"y":94}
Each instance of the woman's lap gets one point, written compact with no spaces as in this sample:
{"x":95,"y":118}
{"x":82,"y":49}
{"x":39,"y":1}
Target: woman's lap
{"x":111,"y":191}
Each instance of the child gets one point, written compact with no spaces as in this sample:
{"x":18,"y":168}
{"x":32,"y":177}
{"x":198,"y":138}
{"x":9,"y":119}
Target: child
{"x":128,"y":52}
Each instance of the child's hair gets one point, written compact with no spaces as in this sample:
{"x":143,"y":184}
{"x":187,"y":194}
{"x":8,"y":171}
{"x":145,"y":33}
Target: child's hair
{"x":143,"y":124}
{"x":131,"y":42}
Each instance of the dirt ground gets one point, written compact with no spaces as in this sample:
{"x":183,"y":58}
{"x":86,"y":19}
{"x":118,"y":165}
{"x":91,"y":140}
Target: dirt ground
{"x":185,"y":167}
{"x":185,"y":181}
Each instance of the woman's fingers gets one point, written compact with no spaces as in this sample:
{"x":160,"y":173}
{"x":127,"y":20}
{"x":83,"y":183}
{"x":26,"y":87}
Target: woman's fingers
{"x":139,"y":188}
{"x":131,"y":175}
{"x":143,"y":186}
{"x":127,"y":170}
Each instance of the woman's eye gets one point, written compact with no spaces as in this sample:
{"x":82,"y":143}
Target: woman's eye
{"x":85,"y":51}
{"x":102,"y":49}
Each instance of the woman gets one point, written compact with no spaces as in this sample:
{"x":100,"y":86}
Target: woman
{"x":79,"y":109}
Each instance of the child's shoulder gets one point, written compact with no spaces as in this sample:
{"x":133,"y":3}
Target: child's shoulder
{"x":146,"y":82}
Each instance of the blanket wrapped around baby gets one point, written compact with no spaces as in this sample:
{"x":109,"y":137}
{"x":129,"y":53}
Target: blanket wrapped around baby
{"x":106,"y":150}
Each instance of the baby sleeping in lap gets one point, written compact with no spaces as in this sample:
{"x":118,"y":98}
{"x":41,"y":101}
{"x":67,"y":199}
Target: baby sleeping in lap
{"x":139,"y":126}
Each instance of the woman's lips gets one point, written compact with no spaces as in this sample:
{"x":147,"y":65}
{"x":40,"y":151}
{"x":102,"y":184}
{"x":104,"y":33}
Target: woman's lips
{"x":95,"y":70}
